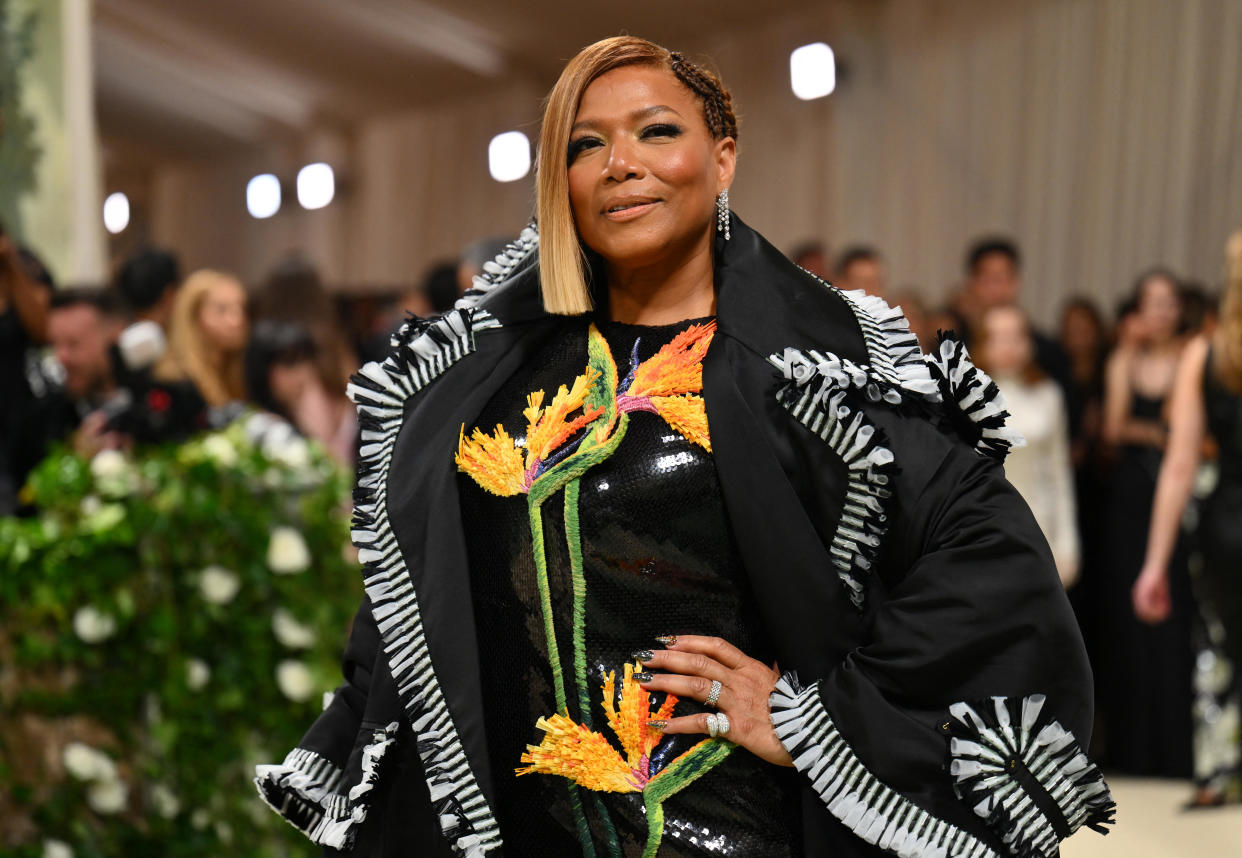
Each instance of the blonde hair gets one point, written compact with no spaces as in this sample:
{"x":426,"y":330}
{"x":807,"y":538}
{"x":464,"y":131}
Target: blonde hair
{"x":562,"y":263}
{"x":218,"y":377}
{"x":1228,"y":343}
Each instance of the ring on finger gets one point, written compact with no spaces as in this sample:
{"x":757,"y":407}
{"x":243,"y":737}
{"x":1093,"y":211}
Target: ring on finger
{"x":714,"y":696}
{"x":717,"y":724}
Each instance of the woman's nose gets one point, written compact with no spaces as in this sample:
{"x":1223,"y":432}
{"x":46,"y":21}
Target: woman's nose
{"x":623,"y":162}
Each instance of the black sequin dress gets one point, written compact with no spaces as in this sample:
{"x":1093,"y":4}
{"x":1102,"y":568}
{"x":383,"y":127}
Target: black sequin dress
{"x":656,"y":558}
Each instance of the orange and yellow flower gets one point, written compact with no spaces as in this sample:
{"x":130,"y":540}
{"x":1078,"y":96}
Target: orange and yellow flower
{"x":587,"y":758}
{"x":669,"y":382}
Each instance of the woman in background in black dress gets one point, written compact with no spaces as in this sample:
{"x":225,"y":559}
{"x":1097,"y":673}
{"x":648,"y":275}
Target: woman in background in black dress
{"x":1206,"y":400}
{"x":1144,"y":674}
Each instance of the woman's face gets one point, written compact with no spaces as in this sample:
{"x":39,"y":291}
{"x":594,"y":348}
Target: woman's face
{"x":222,"y":317}
{"x":1009,"y":349}
{"x":1159,"y":309}
{"x":644,"y":170}
{"x":1079,"y":334}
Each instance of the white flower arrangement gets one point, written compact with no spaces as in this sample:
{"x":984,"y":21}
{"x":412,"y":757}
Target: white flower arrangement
{"x":108,"y":464}
{"x":92,"y":625}
{"x":218,"y":448}
{"x":218,"y":585}
{"x":293,"y":678}
{"x":197,"y":674}
{"x":107,"y":797}
{"x":287,"y":553}
{"x":290,"y":632}
{"x":53,"y":848}
{"x":88,"y":764}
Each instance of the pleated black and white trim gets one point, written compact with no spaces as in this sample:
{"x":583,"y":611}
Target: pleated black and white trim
{"x":872,"y":810}
{"x":1025,"y":774}
{"x":299,"y":789}
{"x":381,"y":391}
{"x":824,"y":393}
{"x":972,"y":400}
{"x":506,"y":264}
{"x":892,"y":348}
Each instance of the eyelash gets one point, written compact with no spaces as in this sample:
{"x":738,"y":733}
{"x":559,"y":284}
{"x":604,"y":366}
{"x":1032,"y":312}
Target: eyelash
{"x":660,"y":129}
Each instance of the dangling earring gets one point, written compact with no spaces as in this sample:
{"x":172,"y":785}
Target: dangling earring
{"x":722,"y":213}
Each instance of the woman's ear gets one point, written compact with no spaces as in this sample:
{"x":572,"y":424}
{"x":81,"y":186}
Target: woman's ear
{"x":726,"y":163}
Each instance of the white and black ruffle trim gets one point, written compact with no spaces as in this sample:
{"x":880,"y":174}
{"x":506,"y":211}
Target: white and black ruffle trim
{"x":1025,"y":774}
{"x":506,"y":264}
{"x":380,"y":391}
{"x":303,"y":791}
{"x":972,"y":400}
{"x":892,"y":348}
{"x":821,"y":392}
{"x":872,"y":810}
{"x":299,"y":788}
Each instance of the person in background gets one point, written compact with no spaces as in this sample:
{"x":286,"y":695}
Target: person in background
{"x":1144,"y":671}
{"x":207,"y":338}
{"x":147,"y":283}
{"x":813,"y":257}
{"x":282,"y":377}
{"x":1206,"y":399}
{"x":25,"y":291}
{"x":994,"y":279}
{"x":861,"y":267}
{"x":1041,"y":470}
{"x":473,"y":258}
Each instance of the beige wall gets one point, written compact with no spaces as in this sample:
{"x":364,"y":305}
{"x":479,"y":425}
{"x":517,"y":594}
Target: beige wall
{"x":1103,"y":134}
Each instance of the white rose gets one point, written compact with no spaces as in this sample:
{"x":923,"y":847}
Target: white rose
{"x":108,"y":464}
{"x":197,"y":673}
{"x":287,"y":553}
{"x":107,"y":797}
{"x":218,"y":585}
{"x":56,"y":849}
{"x":294,"y":680}
{"x":90,"y":505}
{"x":104,"y":517}
{"x":290,"y":632}
{"x":200,"y":819}
{"x":220,"y":450}
{"x":258,"y":424}
{"x":292,"y":451}
{"x":164,"y":801}
{"x":88,"y":764}
{"x":93,"y":625}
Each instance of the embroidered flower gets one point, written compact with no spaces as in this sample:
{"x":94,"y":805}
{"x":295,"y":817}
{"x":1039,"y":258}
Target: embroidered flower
{"x":668,"y":383}
{"x":587,"y":758}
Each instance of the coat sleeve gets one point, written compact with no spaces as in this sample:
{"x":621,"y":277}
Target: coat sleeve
{"x":958,"y":727}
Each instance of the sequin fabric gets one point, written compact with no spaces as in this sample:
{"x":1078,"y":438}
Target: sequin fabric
{"x":657,"y":558}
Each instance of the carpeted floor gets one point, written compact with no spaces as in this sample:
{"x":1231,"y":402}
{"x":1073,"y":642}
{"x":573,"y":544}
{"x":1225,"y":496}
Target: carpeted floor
{"x":1151,"y":824}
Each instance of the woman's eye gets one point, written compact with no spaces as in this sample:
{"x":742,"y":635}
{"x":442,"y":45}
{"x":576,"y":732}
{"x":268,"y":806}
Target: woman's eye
{"x":662,"y":129}
{"x":580,"y":145}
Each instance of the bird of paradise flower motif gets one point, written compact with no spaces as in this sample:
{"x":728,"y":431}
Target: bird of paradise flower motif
{"x":587,"y":758}
{"x":668,"y":383}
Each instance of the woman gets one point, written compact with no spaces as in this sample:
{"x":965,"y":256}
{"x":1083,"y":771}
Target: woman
{"x":282,"y":376}
{"x":1145,"y":672}
{"x":207,"y":337}
{"x":1207,"y":399}
{"x":1041,"y":470}
{"x":591,"y":531}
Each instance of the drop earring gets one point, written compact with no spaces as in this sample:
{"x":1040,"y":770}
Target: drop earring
{"x":722,"y":213}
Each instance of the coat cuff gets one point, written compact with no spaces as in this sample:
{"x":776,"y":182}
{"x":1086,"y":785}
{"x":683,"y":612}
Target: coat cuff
{"x":1025,"y":774}
{"x":857,"y":798}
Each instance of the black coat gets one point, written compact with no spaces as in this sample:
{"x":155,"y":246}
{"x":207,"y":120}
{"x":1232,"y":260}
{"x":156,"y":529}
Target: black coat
{"x":899,"y":575}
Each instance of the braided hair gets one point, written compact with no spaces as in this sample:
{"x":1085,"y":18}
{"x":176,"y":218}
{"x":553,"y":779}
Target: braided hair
{"x":717,"y":102}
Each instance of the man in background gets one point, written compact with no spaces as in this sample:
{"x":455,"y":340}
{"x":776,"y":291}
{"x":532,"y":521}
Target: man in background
{"x":861,"y":267}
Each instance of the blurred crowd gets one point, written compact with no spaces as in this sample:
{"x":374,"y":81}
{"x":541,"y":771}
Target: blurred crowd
{"x":156,"y":356}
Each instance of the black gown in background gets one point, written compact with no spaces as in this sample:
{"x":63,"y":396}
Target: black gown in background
{"x":1144,"y":671}
{"x":1219,"y":538}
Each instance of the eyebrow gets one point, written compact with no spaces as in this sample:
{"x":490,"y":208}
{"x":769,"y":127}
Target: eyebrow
{"x":641,"y":113}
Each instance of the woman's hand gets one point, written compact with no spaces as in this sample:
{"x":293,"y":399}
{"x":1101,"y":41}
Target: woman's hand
{"x":691,"y":662}
{"x":1152,"y":603}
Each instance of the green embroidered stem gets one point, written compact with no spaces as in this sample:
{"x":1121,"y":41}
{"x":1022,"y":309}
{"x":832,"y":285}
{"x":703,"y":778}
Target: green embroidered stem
{"x":573,"y":536}
{"x":584,"y":828}
{"x":610,"y":832}
{"x":680,"y":773}
{"x":545,"y":599}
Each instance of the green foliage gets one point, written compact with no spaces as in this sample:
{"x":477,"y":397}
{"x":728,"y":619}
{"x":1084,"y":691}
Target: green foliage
{"x":181,"y":610}
{"x":19,"y":153}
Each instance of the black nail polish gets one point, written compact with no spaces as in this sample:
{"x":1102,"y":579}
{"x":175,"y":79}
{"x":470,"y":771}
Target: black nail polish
{"x":642,"y":654}
{"x":666,"y":640}
{"x":643,"y":677}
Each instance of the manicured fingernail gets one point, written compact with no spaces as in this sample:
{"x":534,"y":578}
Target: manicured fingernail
{"x":643,"y":677}
{"x":666,"y":640}
{"x":642,"y":654}
{"x":657,"y":725}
